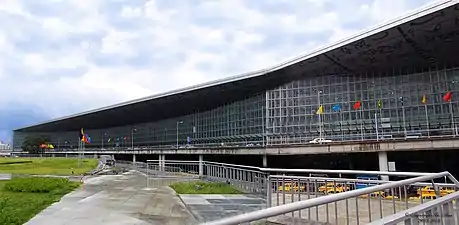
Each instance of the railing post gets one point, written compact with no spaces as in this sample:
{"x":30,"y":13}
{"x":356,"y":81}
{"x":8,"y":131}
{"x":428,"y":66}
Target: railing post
{"x":268,"y":191}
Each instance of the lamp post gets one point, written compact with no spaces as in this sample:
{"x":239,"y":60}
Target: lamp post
{"x":178,"y":122}
{"x":132,"y":137}
{"x":403,"y":116}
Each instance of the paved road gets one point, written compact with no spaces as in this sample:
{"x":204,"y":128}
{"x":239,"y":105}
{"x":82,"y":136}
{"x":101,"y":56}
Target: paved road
{"x":117,"y":199}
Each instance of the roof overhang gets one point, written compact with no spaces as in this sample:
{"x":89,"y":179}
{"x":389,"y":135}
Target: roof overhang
{"x":424,"y":38}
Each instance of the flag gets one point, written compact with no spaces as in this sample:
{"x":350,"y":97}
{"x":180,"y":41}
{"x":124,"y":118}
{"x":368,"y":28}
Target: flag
{"x":81,"y":135}
{"x":320,"y":110}
{"x":336,"y":108}
{"x":86,"y":139}
{"x":357,"y":105}
{"x":379,"y":104}
{"x":447,"y":96}
{"x":424,"y":100}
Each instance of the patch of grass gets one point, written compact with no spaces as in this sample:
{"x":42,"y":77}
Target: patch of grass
{"x":201,"y":187}
{"x":48,"y":166}
{"x":18,"y":203}
{"x":39,"y":185}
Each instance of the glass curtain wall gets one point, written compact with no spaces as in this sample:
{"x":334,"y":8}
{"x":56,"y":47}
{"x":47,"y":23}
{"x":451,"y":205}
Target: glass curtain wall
{"x":238,"y":123}
{"x":395,"y":104}
{"x":391,"y":106}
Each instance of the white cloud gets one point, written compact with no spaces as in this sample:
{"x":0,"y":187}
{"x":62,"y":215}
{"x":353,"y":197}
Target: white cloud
{"x":61,"y":57}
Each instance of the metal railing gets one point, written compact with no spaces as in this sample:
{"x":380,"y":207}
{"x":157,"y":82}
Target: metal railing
{"x":348,"y":205}
{"x":360,"y":197}
{"x":444,"y":210}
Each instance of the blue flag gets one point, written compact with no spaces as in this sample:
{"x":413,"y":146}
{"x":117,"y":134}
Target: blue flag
{"x":336,"y":107}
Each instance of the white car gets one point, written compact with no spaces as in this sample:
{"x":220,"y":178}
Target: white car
{"x":319,"y":140}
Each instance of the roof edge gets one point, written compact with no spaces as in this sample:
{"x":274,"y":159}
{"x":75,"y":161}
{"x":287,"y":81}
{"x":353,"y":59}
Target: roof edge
{"x":411,"y":15}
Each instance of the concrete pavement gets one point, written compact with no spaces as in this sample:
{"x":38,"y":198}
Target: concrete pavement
{"x":117,"y":199}
{"x":209,"y":207}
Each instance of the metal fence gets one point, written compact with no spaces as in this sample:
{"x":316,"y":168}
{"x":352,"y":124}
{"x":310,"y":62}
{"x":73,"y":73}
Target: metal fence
{"x":323,"y":196}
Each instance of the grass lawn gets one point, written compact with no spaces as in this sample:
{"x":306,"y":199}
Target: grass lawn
{"x":48,"y":166}
{"x":23,"y":198}
{"x":201,"y":187}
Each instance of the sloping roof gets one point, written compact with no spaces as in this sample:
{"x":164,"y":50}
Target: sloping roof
{"x":338,"y":59}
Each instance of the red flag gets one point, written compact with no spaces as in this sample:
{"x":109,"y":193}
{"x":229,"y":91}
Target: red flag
{"x":447,"y":97}
{"x":85,"y":139}
{"x":357,"y":105}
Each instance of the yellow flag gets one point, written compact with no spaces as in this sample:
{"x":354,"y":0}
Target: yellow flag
{"x":424,"y":100}
{"x":320,"y":110}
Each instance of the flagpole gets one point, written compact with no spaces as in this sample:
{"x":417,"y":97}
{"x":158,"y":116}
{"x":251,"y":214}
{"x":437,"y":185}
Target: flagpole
{"x":320,"y":119}
{"x":452,"y":118}
{"x":427,"y":120}
{"x":79,"y":153}
{"x":380,"y":121}
{"x":376,"y":126}
{"x":361,"y":124}
{"x":341,"y":124}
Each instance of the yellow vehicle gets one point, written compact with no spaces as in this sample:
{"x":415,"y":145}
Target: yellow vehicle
{"x":379,"y":194}
{"x":333,"y":188}
{"x":289,"y":186}
{"x":429,"y":192}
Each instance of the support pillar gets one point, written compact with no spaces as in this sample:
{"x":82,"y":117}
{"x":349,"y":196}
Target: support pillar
{"x":201,"y":165}
{"x":161,"y":163}
{"x":133,"y":158}
{"x":95,"y":156}
{"x":265,"y":161}
{"x":383,"y":164}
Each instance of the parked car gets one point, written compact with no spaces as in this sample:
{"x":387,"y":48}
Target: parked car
{"x":319,"y":140}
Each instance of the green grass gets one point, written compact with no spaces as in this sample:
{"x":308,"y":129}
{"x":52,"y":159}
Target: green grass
{"x":48,"y":166}
{"x":204,"y":188}
{"x":23,"y":198}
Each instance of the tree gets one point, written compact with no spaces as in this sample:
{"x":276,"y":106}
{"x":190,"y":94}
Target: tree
{"x":31,"y":144}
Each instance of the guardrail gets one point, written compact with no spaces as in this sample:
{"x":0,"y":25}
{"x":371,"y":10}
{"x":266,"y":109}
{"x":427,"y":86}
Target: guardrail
{"x":444,"y":210}
{"x":287,"y":186}
{"x":348,"y":205}
{"x":231,"y":146}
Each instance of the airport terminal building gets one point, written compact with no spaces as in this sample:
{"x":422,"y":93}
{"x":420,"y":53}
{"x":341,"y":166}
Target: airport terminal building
{"x":395,"y":81}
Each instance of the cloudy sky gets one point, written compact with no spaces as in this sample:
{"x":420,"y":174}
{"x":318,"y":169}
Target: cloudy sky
{"x":59,"y":57}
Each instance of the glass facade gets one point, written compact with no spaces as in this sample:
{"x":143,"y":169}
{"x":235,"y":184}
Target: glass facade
{"x":235,"y":123}
{"x":391,"y":107}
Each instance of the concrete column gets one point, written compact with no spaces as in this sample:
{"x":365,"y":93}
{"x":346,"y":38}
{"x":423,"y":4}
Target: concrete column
{"x":265,"y":161}
{"x":201,"y":165}
{"x":161,"y":162}
{"x":133,"y":158}
{"x":383,"y":164}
